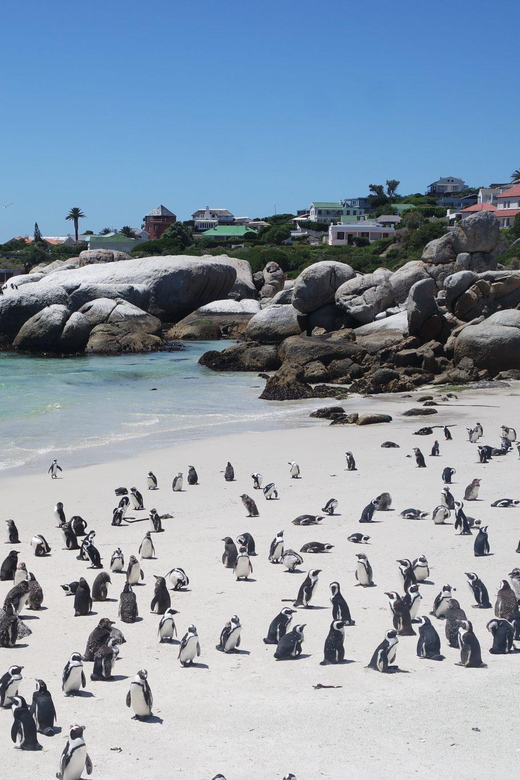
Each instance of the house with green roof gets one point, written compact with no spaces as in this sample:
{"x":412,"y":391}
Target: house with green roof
{"x":229,"y":231}
{"x":115,"y":241}
{"x":326,"y":211}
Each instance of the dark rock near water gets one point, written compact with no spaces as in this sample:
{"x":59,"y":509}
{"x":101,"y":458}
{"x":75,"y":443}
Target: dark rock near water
{"x":328,"y":412}
{"x":419,"y":411}
{"x":373,"y":419}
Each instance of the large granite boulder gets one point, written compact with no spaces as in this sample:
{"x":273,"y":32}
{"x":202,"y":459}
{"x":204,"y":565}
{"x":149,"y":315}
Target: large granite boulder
{"x":458,"y":283}
{"x":402,"y":280}
{"x":477,"y":233}
{"x":274,"y":280}
{"x":95,"y":256}
{"x":288,"y":384}
{"x":441,"y":250}
{"x":42,"y":331}
{"x":216,"y":320}
{"x":243,"y":357}
{"x":316,"y":285}
{"x":494,"y":344}
{"x":98,"y":311}
{"x":123,"y":336}
{"x":285,"y":296}
{"x":329,"y":318}
{"x":139,"y":295}
{"x":421,"y":305}
{"x":75,"y":334}
{"x":57,"y":265}
{"x":273,"y":324}
{"x":22,"y":304}
{"x":244,"y":286}
{"x":325,"y":348}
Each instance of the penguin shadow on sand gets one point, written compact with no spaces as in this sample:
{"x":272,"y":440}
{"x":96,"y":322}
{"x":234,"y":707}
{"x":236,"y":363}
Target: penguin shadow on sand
{"x":196,"y":665}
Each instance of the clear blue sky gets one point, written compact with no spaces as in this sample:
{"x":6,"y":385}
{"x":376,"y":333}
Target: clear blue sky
{"x":120,"y":105}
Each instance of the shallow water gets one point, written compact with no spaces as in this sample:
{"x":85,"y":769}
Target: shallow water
{"x":90,"y":409}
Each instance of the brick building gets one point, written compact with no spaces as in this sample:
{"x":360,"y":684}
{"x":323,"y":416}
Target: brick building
{"x":157,"y":220}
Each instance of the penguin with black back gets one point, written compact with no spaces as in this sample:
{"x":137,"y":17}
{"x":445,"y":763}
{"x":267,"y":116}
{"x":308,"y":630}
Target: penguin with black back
{"x":384,"y":655}
{"x":479,"y":590}
{"x":82,"y":599}
{"x":334,"y":650}
{"x":340,"y":608}
{"x":23,"y":730}
{"x":278,"y":626}
{"x":481,"y":543}
{"x":470,"y":652}
{"x":429,"y":642}
{"x":43,"y":710}
{"x":290,"y":645}
{"x":503,"y":633}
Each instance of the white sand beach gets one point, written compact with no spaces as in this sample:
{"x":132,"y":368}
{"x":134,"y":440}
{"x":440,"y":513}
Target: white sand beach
{"x":247,"y":715}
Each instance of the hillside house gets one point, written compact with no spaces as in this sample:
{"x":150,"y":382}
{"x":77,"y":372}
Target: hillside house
{"x":206,"y":219}
{"x":344,"y":234}
{"x":446,"y":185}
{"x":158,"y":220}
{"x":508,"y":206}
{"x":326,"y":211}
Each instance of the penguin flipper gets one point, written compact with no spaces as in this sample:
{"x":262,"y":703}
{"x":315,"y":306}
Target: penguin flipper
{"x":238,"y":642}
{"x":128,"y":699}
{"x":88,"y":764}
{"x":15,"y":730}
{"x":198,"y":649}
{"x":83,"y":680}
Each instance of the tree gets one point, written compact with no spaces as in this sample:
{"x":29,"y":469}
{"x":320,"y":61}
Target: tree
{"x":38,"y":238}
{"x":180,"y":233}
{"x":127,"y":231}
{"x":106,"y":231}
{"x":515,"y":176}
{"x":74,"y":215}
{"x":377,"y":189}
{"x":391,"y":187}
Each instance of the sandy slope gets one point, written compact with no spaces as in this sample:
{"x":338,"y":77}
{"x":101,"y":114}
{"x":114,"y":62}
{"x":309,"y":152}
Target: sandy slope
{"x":247,"y":715}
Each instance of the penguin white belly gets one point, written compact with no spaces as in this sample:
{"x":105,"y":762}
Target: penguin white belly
{"x":139,"y":706}
{"x":134,"y":501}
{"x":76,"y":765}
{"x":147,"y":549}
{"x":362,"y":576}
{"x":19,"y":576}
{"x":189,"y":652}
{"x":414,"y":608}
{"x":12,"y":690}
{"x":421,"y":573}
{"x":73,"y":681}
{"x":391,"y":654}
{"x":135,"y":573}
{"x":242,"y":567}
{"x":278,"y":551}
{"x":290,"y":561}
{"x":232,"y":640}
{"x":117,"y":565}
{"x":166,"y":630}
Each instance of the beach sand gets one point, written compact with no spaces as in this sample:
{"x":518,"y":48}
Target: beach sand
{"x":248,"y":715}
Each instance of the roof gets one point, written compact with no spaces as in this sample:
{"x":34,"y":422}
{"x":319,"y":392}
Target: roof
{"x":228,"y":230}
{"x":480,"y":207}
{"x":114,"y":238}
{"x":319,"y":205}
{"x":400,"y":207}
{"x":507,"y":212}
{"x":222,"y":212}
{"x":55,"y":240}
{"x":160,"y":211}
{"x":447,"y":180}
{"x":363,"y":226}
{"x":390,"y":218}
{"x":512,"y":192}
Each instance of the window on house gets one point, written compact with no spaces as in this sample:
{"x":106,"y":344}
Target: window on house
{"x":365,"y":235}
{"x":340,"y":235}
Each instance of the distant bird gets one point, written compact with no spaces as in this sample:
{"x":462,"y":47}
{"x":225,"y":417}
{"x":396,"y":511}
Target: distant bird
{"x":229,"y":473}
{"x":257,"y":480}
{"x":177,"y":483}
{"x":53,"y":469}
{"x":351,"y":463}
{"x":294,"y":470}
{"x":193,"y":477}
{"x":6,"y":205}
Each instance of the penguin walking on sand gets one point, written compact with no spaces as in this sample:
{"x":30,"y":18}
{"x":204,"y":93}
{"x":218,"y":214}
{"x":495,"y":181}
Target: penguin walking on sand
{"x":12,"y":533}
{"x":384,"y":655}
{"x":447,"y":475}
{"x":190,"y":647}
{"x":247,"y":541}
{"x":290,"y":645}
{"x":351,"y":463}
{"x":9,"y":684}
{"x":23,"y":730}
{"x":294,"y":470}
{"x":471,"y":492}
{"x":151,"y":481}
{"x":243,"y":566}
{"x":251,"y":507}
{"x":503,"y":634}
{"x":368,"y":512}
{"x":59,"y":514}
{"x":117,"y":561}
{"x":479,"y":590}
{"x":334,"y":650}
{"x":177,"y":483}
{"x":54,"y":468}
{"x":127,"y":610}
{"x":161,"y":598}
{"x":257,"y":480}
{"x":270,"y":491}
{"x":146,"y":548}
{"x":481,"y":543}
{"x":82,"y":599}
{"x":178,"y":578}
{"x":340,"y":608}
{"x":421,"y":568}
{"x":73,"y":678}
{"x":307,"y":589}
{"x":193,"y":477}
{"x":506,"y":602}
{"x":278,"y":626}
{"x":167,"y":628}
{"x":401,"y":614}
{"x":124,"y":504}
{"x":74,"y":758}
{"x":140,"y":697}
{"x":447,"y":433}
{"x":230,"y":554}
{"x":461,"y":520}
{"x":137,"y":499}
{"x":99,"y":586}
{"x":330,"y":507}
{"x":230,"y":635}
{"x":9,"y":566}
{"x":42,"y":709}
{"x":276,"y":549}
{"x":364,"y":574}
{"x":429,"y":642}
{"x":156,"y":521}
{"x":134,"y":573}
{"x":435,"y":449}
{"x":229,"y":473}
{"x":419,"y":458}
{"x":441,"y":603}
{"x":470,"y":652}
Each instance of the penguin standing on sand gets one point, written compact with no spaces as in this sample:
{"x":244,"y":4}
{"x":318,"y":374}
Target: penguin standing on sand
{"x":243,"y":566}
{"x":128,"y":611}
{"x":482,"y":454}
{"x":384,"y":655}
{"x":17,"y":596}
{"x":429,"y":642}
{"x":334,"y":650}
{"x":140,"y":697}
{"x":74,"y":758}
{"x":278,"y":626}
{"x":351,"y":463}
{"x":364,"y":574}
{"x":134,"y":573}
{"x":276,"y":549}
{"x":53,"y":469}
{"x":177,"y":483}
{"x":23,"y":731}
{"x":340,"y":608}
{"x":440,"y":514}
{"x":73,"y":677}
{"x":257,"y":480}
{"x":290,"y":645}
{"x":69,"y":537}
{"x":479,"y":590}
{"x":42,"y":709}
{"x":401,"y":614}
{"x":82,"y":599}
{"x":384,"y":502}
{"x":9,"y":565}
{"x":99,"y":587}
{"x":294,"y":470}
{"x":455,"y":617}
{"x":124,"y":504}
{"x":412,"y":598}
{"x":230,"y":554}
{"x":230,"y":635}
{"x":503,"y":634}
{"x":146,"y":548}
{"x":9,"y":683}
{"x":291,"y":559}
{"x":104,"y":660}
{"x":136,"y":499}
{"x":368,"y":512}
{"x":117,"y":561}
{"x":229,"y":473}
{"x":118,"y":515}
{"x":78,"y":525}
{"x":470,"y":653}
{"x":447,"y":475}
{"x":506,"y":602}
{"x":435,"y":449}
{"x":481,"y":543}
{"x":447,"y":498}
{"x":93,"y":555}
{"x":59,"y":514}
{"x":12,"y":533}
{"x":190,"y":647}
{"x":447,"y":433}
{"x":421,"y":568}
{"x":193,"y":477}
{"x":21,"y":573}
{"x":156,"y":521}
{"x":270,"y":491}
{"x":330,"y":507}
{"x":441,"y":603}
{"x":407,"y":573}
{"x":97,"y":638}
{"x":461,"y":521}
{"x":151,"y":481}
{"x":419,"y":458}
{"x":161,"y":599}
{"x":471,"y":492}
{"x":247,"y":541}
{"x":167,"y":628}
{"x":307,"y":589}
{"x":250,"y":505}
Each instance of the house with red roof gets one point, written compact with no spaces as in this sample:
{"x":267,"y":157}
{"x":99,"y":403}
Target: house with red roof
{"x":508,"y":206}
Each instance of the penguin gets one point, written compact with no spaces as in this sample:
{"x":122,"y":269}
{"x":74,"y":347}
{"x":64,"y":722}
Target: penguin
{"x":8,"y":567}
{"x":307,"y":520}
{"x":291,"y":559}
{"x":99,"y":587}
{"x":479,"y":429}
{"x":243,"y":566}
{"x":128,"y":611}
{"x":161,"y":598}
{"x":471,"y":492}
{"x":17,"y":596}
{"x":35,"y":597}
{"x":21,"y":573}
{"x":250,"y":505}
{"x":514,"y":576}
{"x":104,"y":660}
{"x":447,"y":475}
{"x":330,"y":507}
{"x":447,"y":498}
{"x":390,"y":444}
{"x":384,"y":655}
{"x":506,"y":503}
{"x":121,"y":491}
{"x":190,"y":647}
{"x":230,"y":554}
{"x":482,"y":455}
{"x":407,"y":573}
{"x":53,"y":469}
{"x":42,"y":709}
{"x":461,"y":521}
{"x":88,"y":539}
{"x":137,"y":499}
{"x":229,"y":473}
{"x":413,"y":514}
{"x":117,"y":561}
{"x":294,"y":470}
{"x":358,"y":538}
{"x":146,"y":548}
{"x":134,"y":573}
{"x":167,"y":628}
{"x":69,"y":537}
{"x":276,"y":549}
{"x":9,"y":683}
{"x":78,"y":525}
{"x":435,"y":449}
{"x":270,"y":491}
{"x":73,"y":677}
{"x":364,"y":574}
{"x":40,"y":545}
{"x":177,"y":483}
{"x":118,"y":515}
{"x":93,"y":555}
{"x":23,"y":730}
{"x":368,"y":512}
{"x":307,"y":589}
{"x":514,"y":619}
{"x":479,"y":590}
{"x":82,"y":599}
{"x":473,"y":435}
{"x":351,"y":463}
{"x":290,"y":644}
{"x":156,"y":521}
{"x":419,"y":458}
{"x":59,"y":514}
{"x":421,"y":568}
{"x":97,"y":638}
{"x":384,"y":502}
{"x":455,"y":617}
{"x":140,"y":697}
{"x":257,"y":480}
{"x":11,"y":627}
{"x":230,"y":635}
{"x":151,"y":481}
{"x":506,"y":602}
{"x":447,"y":433}
{"x":12,"y":533}
{"x":70,"y":588}
{"x":334,"y":651}
{"x":481,"y":543}
{"x":470,"y":653}
{"x":340,"y":608}
{"x":278,"y":626}
{"x":193,"y":477}
{"x":441,"y":603}
{"x":508,"y":433}
{"x":248,"y":542}
{"x":440,"y":514}
{"x":503,"y":635}
{"x":429,"y":642}
{"x":401,"y":614}
{"x":178,"y":578}
{"x":412,"y":598}
{"x":317,"y":547}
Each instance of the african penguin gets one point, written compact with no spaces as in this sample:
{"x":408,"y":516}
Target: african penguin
{"x":73,"y":677}
{"x":481,"y":543}
{"x":290,"y":644}
{"x":177,"y":483}
{"x":9,"y":683}
{"x":136,"y":499}
{"x":470,"y":653}
{"x":435,"y":449}
{"x":230,"y":554}
{"x":167,"y":628}
{"x":243,"y":566}
{"x":364,"y":574}
{"x":161,"y":598}
{"x":479,"y":590}
{"x":23,"y":730}
{"x":317,"y":547}
{"x":140,"y":697}
{"x":151,"y":481}
{"x":247,"y":541}
{"x":503,"y":635}
{"x":291,"y":559}
{"x":8,"y":567}
{"x":99,"y":586}
{"x":59,"y":514}
{"x":401,"y":614}
{"x":307,"y":520}
{"x":128,"y":611}
{"x":351,"y":463}
{"x":506,"y":602}
{"x":230,"y":635}
{"x":12,"y":532}
{"x":178,"y":578}
{"x":53,"y":469}
{"x":257,"y":480}
{"x":278,"y":626}
{"x":384,"y":655}
{"x":334,"y":651}
{"x":294,"y":470}
{"x":146,"y":548}
{"x":42,"y":709}
{"x":368,"y":512}
{"x":421,"y":568}
{"x":340,"y":608}
{"x":156,"y":521}
{"x":117,"y":561}
{"x":79,"y":526}
{"x":270,"y":492}
{"x":104,"y":660}
{"x":429,"y":642}
{"x":134,"y":573}
{"x":190,"y":647}
{"x":307,"y":589}
{"x":384,"y":502}
{"x":250,"y":505}
{"x":229,"y":473}
{"x":441,"y":603}
{"x":447,"y":475}
{"x":455,"y":616}
{"x":82,"y":599}
{"x":330,"y":507}
{"x":419,"y":458}
{"x":471,"y":492}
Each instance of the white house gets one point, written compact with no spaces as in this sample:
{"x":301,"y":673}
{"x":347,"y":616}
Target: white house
{"x":207,"y":219}
{"x":326,"y":212}
{"x":446,"y":185}
{"x":491,"y":193}
{"x":508,"y":206}
{"x":344,"y":235}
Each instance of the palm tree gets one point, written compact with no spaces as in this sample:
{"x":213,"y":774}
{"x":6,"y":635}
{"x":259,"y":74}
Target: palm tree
{"x":74,"y":215}
{"x":515,"y":176}
{"x":127,"y":231}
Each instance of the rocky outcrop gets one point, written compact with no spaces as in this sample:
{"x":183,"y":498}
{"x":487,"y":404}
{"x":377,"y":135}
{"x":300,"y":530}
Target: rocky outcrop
{"x":405,"y":277}
{"x":22,"y":304}
{"x":366,"y":295}
{"x":288,"y":384}
{"x":123,"y":336}
{"x":477,"y":236}
{"x":96,"y":256}
{"x":373,"y":418}
{"x":493,"y":344}
{"x":421,"y":305}
{"x":226,"y":319}
{"x":316,"y":286}
{"x":273,"y":280}
{"x":41,"y":333}
{"x":243,"y":357}
{"x":325,"y":348}
{"x":273,"y":324}
{"x":244,"y":286}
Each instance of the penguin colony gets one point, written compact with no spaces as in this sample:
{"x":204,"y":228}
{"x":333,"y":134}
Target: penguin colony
{"x":441,"y":613}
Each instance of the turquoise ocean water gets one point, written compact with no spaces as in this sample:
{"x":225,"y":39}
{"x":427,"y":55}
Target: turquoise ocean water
{"x":84,"y":410}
